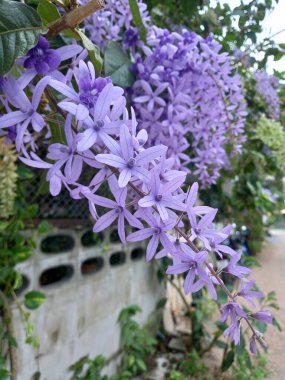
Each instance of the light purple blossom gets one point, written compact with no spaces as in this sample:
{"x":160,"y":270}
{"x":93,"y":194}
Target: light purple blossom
{"x":129,"y":163}
{"x":232,"y":310}
{"x":161,"y":196}
{"x":119,"y":210}
{"x":262,"y":316}
{"x":157,"y":230}
{"x":192,"y":263}
{"x":27,"y":110}
{"x":237,"y":270}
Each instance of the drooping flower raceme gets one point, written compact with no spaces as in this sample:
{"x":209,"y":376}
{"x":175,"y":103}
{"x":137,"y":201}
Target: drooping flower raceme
{"x":186,"y":94}
{"x":266,"y":87}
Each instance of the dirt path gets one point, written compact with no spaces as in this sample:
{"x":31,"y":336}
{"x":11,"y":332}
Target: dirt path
{"x":272,"y":277}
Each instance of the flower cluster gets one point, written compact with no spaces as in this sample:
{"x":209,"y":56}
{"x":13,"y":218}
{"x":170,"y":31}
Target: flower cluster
{"x":110,"y":23}
{"x":186,"y":94}
{"x":147,"y":198}
{"x":266,"y":87}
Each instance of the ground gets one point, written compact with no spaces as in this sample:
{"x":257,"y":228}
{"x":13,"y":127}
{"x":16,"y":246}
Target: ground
{"x":271,"y":276}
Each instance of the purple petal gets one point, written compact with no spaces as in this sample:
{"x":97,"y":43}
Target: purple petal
{"x":86,"y":139}
{"x":192,"y":196}
{"x":121,"y":228}
{"x":111,"y":159}
{"x":140,"y":235}
{"x":189,"y":281}
{"x":126,"y":143}
{"x":124,"y":177}
{"x":152,"y":247}
{"x":150,"y":154}
{"x":177,"y":268}
{"x":105,"y":221}
{"x":12,"y":118}
{"x":207,"y":219}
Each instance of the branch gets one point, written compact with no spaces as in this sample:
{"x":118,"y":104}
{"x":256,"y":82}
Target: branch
{"x":73,"y":18}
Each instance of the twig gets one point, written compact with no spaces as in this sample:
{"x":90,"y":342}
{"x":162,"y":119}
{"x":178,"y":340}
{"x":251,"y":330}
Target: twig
{"x":73,"y":18}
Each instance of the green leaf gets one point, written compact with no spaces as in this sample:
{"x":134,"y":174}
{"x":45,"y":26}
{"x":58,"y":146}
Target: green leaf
{"x":93,"y":51}
{"x":19,"y":29}
{"x":138,"y":19}
{"x":44,"y":227}
{"x":116,"y":65}
{"x":48,"y":12}
{"x":34,"y":299}
{"x":276,"y":324}
{"x":189,"y":7}
{"x":141,"y":365}
{"x":228,"y":361}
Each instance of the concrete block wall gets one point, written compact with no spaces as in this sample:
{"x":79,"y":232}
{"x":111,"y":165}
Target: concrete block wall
{"x":79,"y":316}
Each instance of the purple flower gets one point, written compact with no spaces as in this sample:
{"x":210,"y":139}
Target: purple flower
{"x":27,"y":110}
{"x":232,"y":310}
{"x":201,"y":230}
{"x":233,"y":332}
{"x":252,"y":345}
{"x":88,"y":85}
{"x":66,"y":155}
{"x":191,"y":262}
{"x":123,"y":157}
{"x":245,"y":292}
{"x":192,"y":210}
{"x":42,"y":58}
{"x":119,"y":210}
{"x":237,"y":270}
{"x":157,"y":230}
{"x":216,"y":240}
{"x":262,"y":316}
{"x":161,"y":195}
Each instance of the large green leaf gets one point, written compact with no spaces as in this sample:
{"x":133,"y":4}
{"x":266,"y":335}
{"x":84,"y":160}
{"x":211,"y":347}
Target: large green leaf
{"x":19,"y":29}
{"x":116,"y":65}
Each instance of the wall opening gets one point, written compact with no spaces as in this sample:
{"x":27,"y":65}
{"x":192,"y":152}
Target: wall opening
{"x":117,"y":258}
{"x":56,"y":275}
{"x":90,"y":239}
{"x":92,"y":265}
{"x":57,"y":244}
{"x":137,"y":254}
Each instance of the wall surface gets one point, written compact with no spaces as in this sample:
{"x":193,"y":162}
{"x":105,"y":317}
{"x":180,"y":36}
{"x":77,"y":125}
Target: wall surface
{"x":80,"y":314}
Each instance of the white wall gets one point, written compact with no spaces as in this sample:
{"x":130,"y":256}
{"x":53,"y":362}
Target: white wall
{"x":80,"y":314}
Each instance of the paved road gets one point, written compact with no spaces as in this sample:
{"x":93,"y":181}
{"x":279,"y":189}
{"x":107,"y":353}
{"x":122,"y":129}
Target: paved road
{"x":272,"y":277}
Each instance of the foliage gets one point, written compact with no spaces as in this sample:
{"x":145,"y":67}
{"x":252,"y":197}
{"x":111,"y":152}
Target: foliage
{"x":137,"y":345}
{"x":16,"y":247}
{"x":244,"y":370}
{"x":88,"y":369}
